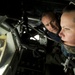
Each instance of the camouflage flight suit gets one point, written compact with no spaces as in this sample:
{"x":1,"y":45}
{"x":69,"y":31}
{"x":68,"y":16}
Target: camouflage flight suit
{"x":55,"y":60}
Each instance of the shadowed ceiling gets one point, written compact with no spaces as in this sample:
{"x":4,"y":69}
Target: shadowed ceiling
{"x":15,"y":8}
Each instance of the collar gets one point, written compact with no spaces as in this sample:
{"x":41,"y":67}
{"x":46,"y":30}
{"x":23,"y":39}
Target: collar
{"x":66,"y":51}
{"x":53,"y":36}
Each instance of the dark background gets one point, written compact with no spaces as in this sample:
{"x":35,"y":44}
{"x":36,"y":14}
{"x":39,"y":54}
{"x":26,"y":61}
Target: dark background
{"x":15,"y":8}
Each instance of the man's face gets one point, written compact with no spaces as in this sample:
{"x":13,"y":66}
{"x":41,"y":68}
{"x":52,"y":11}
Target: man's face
{"x":67,"y":32}
{"x":50,"y":24}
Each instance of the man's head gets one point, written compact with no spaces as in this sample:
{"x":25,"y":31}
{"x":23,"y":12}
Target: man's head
{"x":50,"y":22}
{"x":67,"y":23}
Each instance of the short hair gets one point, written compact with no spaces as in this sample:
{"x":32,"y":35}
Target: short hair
{"x":49,"y":14}
{"x":69,"y":8}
